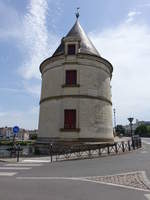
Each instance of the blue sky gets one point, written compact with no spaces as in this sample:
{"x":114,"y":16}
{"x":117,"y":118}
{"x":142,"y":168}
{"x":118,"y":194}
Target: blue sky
{"x":30,"y":31}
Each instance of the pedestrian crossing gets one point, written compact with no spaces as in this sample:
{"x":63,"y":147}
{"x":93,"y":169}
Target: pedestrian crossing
{"x":7,"y":173}
{"x":24,"y":165}
{"x":12,"y":169}
{"x":147,"y":196}
{"x":45,"y":159}
{"x":36,"y":161}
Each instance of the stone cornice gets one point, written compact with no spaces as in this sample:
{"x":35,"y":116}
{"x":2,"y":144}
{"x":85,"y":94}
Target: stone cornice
{"x":76,"y":96}
{"x":81,"y":56}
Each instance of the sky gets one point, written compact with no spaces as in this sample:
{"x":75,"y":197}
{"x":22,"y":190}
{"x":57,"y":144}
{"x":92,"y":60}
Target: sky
{"x":31,"y":30}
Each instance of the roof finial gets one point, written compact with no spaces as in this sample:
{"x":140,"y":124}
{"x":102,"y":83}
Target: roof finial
{"x":77,"y":13}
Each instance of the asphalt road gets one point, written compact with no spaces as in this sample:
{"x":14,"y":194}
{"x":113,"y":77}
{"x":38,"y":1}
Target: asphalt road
{"x":64,"y":180}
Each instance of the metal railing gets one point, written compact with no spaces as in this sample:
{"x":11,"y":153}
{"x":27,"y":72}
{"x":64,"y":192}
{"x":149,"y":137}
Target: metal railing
{"x":61,"y":151}
{"x":83,"y":151}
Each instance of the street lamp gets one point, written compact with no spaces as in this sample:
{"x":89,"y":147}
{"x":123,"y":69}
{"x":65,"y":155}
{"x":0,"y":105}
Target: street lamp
{"x":130,"y":119}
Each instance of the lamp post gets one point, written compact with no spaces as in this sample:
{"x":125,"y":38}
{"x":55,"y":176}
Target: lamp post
{"x":130,"y":119}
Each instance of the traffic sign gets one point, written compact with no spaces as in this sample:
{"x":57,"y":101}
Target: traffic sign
{"x":15,"y":129}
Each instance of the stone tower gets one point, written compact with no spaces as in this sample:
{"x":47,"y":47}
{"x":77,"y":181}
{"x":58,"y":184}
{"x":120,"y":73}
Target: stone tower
{"x":75,"y":100}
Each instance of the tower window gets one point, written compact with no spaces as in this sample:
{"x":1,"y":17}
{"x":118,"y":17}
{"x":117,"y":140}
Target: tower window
{"x":70,"y":119}
{"x":71,"y":49}
{"x":71,"y":77}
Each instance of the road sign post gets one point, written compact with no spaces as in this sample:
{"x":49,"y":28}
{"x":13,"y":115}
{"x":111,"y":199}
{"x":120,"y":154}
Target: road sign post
{"x":15,"y":132}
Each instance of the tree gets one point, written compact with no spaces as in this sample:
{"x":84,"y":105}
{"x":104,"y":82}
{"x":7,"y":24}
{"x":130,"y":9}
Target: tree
{"x":120,"y":129}
{"x":143,"y":130}
{"x":33,"y":136}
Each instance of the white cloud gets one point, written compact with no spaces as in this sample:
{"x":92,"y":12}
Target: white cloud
{"x":132,"y":15}
{"x":34,"y":89}
{"x":38,"y":43}
{"x":35,"y":38}
{"x":127,"y":48}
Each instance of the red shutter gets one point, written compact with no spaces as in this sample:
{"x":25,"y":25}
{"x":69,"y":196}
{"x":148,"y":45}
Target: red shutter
{"x":70,"y":119}
{"x":71,"y":77}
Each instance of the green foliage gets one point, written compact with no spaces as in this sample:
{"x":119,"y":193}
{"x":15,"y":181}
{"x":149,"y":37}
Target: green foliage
{"x":8,"y":142}
{"x":33,"y":136}
{"x":143,"y":130}
{"x":120,"y":129}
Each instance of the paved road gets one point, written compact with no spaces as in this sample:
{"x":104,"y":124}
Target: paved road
{"x":82,"y":179}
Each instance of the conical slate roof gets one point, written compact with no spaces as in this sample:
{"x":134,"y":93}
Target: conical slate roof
{"x":86,"y":45}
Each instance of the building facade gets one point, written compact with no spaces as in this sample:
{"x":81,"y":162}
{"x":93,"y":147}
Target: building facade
{"x":75,"y":100}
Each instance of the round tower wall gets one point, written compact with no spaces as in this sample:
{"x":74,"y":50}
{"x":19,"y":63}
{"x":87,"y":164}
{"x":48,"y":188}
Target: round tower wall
{"x":91,"y":99}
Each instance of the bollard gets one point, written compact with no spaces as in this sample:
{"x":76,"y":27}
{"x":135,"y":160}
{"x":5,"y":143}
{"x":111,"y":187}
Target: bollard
{"x":18,"y":152}
{"x":89,"y":153}
{"x":123,"y":149}
{"x":133,"y":144}
{"x":129,"y":147}
{"x":51,"y":153}
{"x":108,"y":150}
{"x":116,"y":149}
{"x":140,"y":142}
{"x":99,"y":152}
{"x":18,"y":149}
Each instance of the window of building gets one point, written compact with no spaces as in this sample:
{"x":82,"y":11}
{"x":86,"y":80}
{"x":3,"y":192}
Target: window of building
{"x":71,"y":49}
{"x":69,"y":119}
{"x":71,"y":77}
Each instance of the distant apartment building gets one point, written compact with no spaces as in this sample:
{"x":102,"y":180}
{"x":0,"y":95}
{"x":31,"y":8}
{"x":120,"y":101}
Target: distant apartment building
{"x":6,"y":133}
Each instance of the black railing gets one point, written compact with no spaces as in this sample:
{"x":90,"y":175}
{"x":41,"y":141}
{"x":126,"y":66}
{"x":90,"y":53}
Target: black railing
{"x":81,"y":151}
{"x":61,"y":151}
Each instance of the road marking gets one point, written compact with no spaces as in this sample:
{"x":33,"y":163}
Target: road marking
{"x":79,"y":179}
{"x":147,"y":196}
{"x":82,"y":179}
{"x":24,"y":165}
{"x":36,"y":161}
{"x":48,"y":178}
{"x":144,"y":152}
{"x":145,"y":142}
{"x":15,"y":168}
{"x":8,"y":173}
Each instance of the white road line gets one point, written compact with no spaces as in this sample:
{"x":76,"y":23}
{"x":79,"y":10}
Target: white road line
{"x":126,"y":173}
{"x":15,"y":168}
{"x":117,"y":185}
{"x":147,"y":196}
{"x":36,"y":161}
{"x":145,"y":142}
{"x":8,"y":173}
{"x":24,"y":165}
{"x":48,"y":178}
{"x":79,"y":179}
{"x":144,"y":152}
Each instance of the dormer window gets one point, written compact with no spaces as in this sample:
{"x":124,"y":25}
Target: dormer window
{"x":71,"y":49}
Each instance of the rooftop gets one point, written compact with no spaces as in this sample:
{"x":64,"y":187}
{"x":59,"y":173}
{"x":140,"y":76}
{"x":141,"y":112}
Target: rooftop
{"x":86,"y":46}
